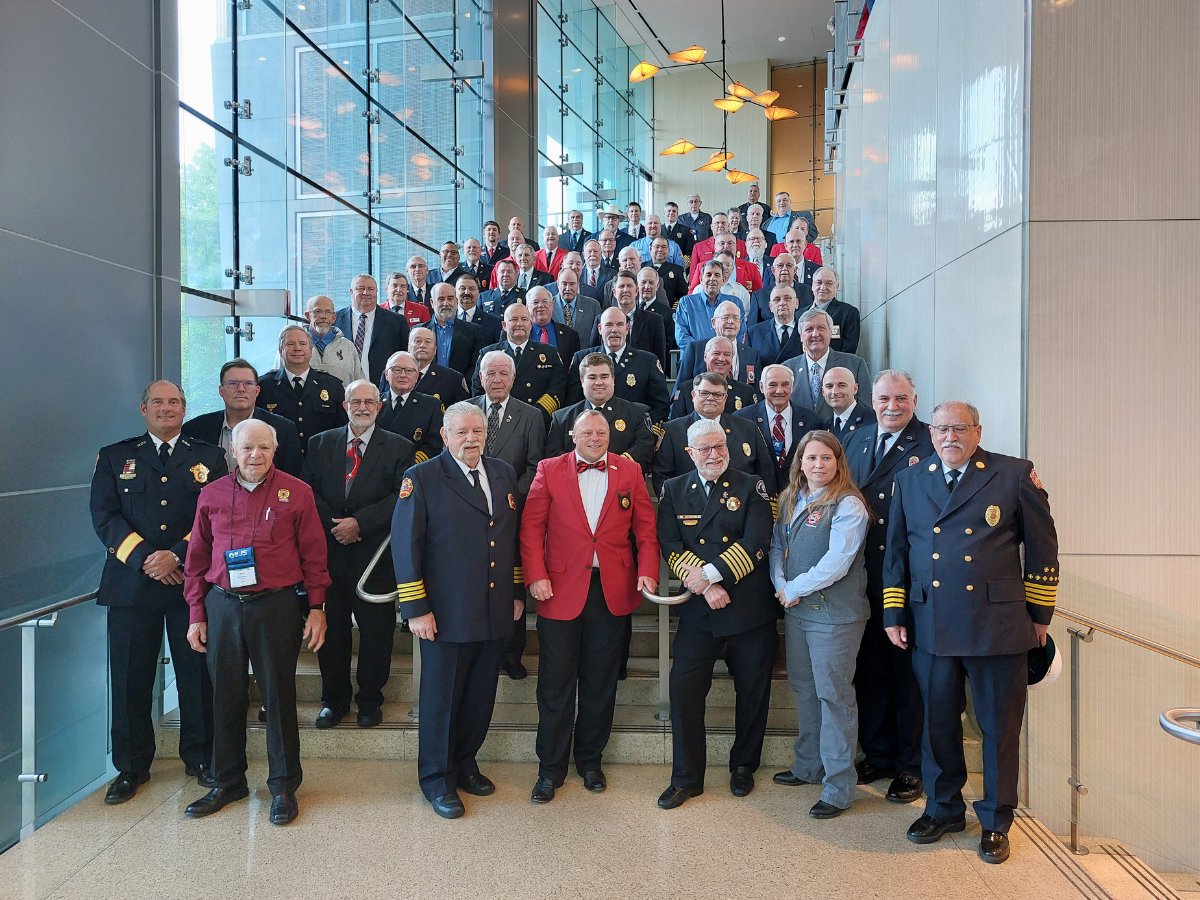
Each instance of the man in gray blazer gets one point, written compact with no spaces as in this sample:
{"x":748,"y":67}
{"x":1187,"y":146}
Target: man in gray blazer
{"x":516,"y":433}
{"x":584,"y":311}
{"x":816,"y":331}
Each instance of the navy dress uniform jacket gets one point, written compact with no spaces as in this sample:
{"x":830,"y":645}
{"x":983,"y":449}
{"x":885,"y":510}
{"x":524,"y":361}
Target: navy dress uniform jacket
{"x":541,"y":376}
{"x":448,"y":386}
{"x":747,"y":451}
{"x":860,"y":417}
{"x":730,"y":528}
{"x":288,"y":456}
{"x":764,"y":338}
{"x":630,"y":431}
{"x":419,"y":420}
{"x":139,"y":506}
{"x":803,"y":421}
{"x":681,"y":235}
{"x":495,"y":301}
{"x":318,"y":408}
{"x":451,"y":557}
{"x":740,"y":397}
{"x":674,"y":281}
{"x":639,"y":379}
{"x":953,"y":562}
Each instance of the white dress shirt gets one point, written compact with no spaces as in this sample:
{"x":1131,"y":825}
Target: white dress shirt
{"x":483,"y":480}
{"x":787,"y":424}
{"x":468,"y":315}
{"x":487,"y":411}
{"x":364,"y":437}
{"x":171,"y":443}
{"x":791,"y":327}
{"x":839,"y":418}
{"x":292,"y":376}
{"x":398,"y":400}
{"x":593,"y":486}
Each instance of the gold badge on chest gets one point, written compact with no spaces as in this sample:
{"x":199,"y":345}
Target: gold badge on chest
{"x":630,"y":379}
{"x":746,"y":449}
{"x":992,"y":516}
{"x":733,"y":503}
{"x":325,"y":396}
{"x":200,"y":473}
{"x":619,"y":424}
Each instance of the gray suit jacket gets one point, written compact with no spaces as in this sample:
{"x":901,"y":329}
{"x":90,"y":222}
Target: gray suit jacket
{"x":521,"y":439}
{"x":587,"y":311}
{"x":801,"y":395}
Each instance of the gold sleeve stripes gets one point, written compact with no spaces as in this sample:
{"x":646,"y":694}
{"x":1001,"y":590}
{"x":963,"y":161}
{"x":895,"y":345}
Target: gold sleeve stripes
{"x":658,"y":429}
{"x":894,"y":598}
{"x":411,"y":590}
{"x":739,"y":561}
{"x":548,"y":403}
{"x":420,"y":457}
{"x":127,"y":546}
{"x":676,"y":562}
{"x":628,"y":457}
{"x":518,"y":575}
{"x":1041,"y":594}
{"x":774,"y":510}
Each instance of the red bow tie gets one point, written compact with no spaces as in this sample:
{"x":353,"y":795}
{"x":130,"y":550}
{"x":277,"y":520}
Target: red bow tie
{"x":581,"y":466}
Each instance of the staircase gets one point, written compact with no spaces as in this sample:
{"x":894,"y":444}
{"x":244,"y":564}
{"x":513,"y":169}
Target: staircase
{"x":637,"y":735}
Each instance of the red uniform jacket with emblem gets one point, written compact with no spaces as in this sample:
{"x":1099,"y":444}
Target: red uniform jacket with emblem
{"x":747,"y":275}
{"x":552,"y":264}
{"x":558,"y":544}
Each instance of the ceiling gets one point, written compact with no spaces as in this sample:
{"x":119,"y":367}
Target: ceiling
{"x":752,"y":28}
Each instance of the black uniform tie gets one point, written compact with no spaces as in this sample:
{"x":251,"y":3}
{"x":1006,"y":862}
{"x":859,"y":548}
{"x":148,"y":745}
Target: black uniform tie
{"x":297,"y":385}
{"x":881,"y":450}
{"x":953,"y":479}
{"x":164,"y":453}
{"x":517,"y":355}
{"x":478,"y":488}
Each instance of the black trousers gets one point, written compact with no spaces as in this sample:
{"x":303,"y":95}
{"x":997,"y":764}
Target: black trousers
{"x":458,"y":694}
{"x":514,"y":646}
{"x":134,"y":643}
{"x":264,"y":633}
{"x":750,"y":656}
{"x":376,"y":631}
{"x":890,"y":714}
{"x":999,"y":685}
{"x":583,"y":652}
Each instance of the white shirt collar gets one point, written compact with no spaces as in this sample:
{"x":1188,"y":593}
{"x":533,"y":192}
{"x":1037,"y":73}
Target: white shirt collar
{"x":841,"y":417}
{"x":779,"y":329}
{"x":515,"y":347}
{"x":171,"y":443}
{"x":303,"y":376}
{"x":365,"y":437}
{"x":422,"y":373}
{"x":822,"y":362}
{"x":787,"y":415}
{"x":946,"y":470}
{"x":398,"y":398}
{"x":370,"y":315}
{"x":466,"y":471}
{"x":488,"y":405}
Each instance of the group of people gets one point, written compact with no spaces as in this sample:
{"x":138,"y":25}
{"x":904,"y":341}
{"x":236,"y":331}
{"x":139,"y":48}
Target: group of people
{"x":494,"y":444}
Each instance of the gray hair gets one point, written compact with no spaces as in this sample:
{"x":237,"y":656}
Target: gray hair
{"x":713,"y":341}
{"x":492,"y":355}
{"x":690,"y":196}
{"x":182,"y":396}
{"x":970,"y":409}
{"x":896,"y":374}
{"x":287,"y":329}
{"x":458,"y":410}
{"x":830,"y":271}
{"x":246,"y":425}
{"x":809,"y":314}
{"x":701,"y":427}
{"x":777,"y":367}
{"x":362,"y":382}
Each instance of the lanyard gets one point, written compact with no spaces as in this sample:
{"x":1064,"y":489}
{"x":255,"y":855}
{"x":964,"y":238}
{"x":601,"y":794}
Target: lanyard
{"x":266,"y":485}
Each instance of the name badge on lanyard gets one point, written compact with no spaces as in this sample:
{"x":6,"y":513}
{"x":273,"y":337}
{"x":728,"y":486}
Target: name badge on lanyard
{"x":240,"y":566}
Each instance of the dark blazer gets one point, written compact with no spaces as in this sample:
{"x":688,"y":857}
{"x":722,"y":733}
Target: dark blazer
{"x":912,"y":445}
{"x":371,"y":500}
{"x":681,"y":235}
{"x":566,"y":340}
{"x":536,"y":277}
{"x":564,"y":240}
{"x":419,"y":420}
{"x":623,"y":228}
{"x":733,"y":535}
{"x":739,"y":397}
{"x":288,"y":457}
{"x":646,"y":333}
{"x":389,"y":334}
{"x":319,"y":407}
{"x":624,"y":239}
{"x":491,"y":326}
{"x":860,"y":417}
{"x":691,"y":363}
{"x":629,"y":431}
{"x":640,"y":379}
{"x":604,"y":275}
{"x":674,"y":281}
{"x":800,"y":366}
{"x":765,"y":339}
{"x":668,"y":317}
{"x":803,"y":421}
{"x":520,"y":439}
{"x":481,"y":270}
{"x":465,"y":344}
{"x":700,"y":225}
{"x":497,"y":300}
{"x":748,"y":452}
{"x":424,"y":296}
{"x":760,"y":301}
{"x":845,"y":325}
{"x":541,"y":377}
{"x":494,"y":256}
{"x":435,"y":275}
{"x":447,"y":385}
{"x":453,"y":558}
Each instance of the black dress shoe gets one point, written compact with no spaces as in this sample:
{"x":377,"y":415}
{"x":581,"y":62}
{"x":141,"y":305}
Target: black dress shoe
{"x":515,"y":670}
{"x":823,"y":810}
{"x":993,"y":846}
{"x":674,"y":797}
{"x":203,"y":775}
{"x":369,"y":718}
{"x":928,"y":830}
{"x":543,"y":790}
{"x":284,"y":809}
{"x":330,"y":717}
{"x":869,"y":772}
{"x":216,"y":800}
{"x":623,"y":675}
{"x":905,"y":788}
{"x":477,"y":785}
{"x":448,"y":806}
{"x":595,"y":781}
{"x":262,"y":713}
{"x":124,"y":787}
{"x":741,"y":781}
{"x":787,"y":778}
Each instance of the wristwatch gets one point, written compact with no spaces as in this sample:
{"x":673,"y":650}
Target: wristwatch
{"x":178,"y":561}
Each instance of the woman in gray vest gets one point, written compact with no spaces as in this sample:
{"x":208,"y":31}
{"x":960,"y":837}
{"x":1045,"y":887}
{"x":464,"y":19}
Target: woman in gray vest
{"x":819,"y":576}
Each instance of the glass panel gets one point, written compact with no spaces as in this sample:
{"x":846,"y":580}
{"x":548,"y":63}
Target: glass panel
{"x":262,"y":75}
{"x":205,"y":348}
{"x":263,"y":224}
{"x":205,"y":204}
{"x":329,"y":130}
{"x":205,"y":57}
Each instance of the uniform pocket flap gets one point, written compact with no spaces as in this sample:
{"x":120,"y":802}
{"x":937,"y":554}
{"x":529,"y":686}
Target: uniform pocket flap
{"x":1008,"y":590}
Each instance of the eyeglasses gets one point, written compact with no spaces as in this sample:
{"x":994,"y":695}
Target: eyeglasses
{"x":709,"y":451}
{"x":234,"y":385}
{"x":710,"y":395}
{"x":943,"y":430}
{"x":402,"y":370}
{"x":356,"y":403}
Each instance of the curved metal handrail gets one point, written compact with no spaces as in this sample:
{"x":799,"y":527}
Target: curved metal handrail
{"x":1172,"y":723}
{"x":361,"y":587}
{"x":668,"y":601}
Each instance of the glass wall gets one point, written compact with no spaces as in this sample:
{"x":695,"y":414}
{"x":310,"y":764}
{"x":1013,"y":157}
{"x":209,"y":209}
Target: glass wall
{"x":589,"y":113}
{"x":318,"y":139}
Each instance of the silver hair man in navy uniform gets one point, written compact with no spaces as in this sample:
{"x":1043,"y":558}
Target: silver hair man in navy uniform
{"x":958,"y":522}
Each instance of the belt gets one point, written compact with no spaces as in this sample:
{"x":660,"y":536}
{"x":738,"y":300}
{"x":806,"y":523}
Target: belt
{"x":252,"y":595}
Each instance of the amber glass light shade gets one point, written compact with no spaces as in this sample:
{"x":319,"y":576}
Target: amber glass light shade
{"x":766,"y":98}
{"x":692,"y":54}
{"x":680,"y":147}
{"x":735,"y":176}
{"x":740,"y":90}
{"x":729,"y":104}
{"x":642,"y":71}
{"x":775,"y":113}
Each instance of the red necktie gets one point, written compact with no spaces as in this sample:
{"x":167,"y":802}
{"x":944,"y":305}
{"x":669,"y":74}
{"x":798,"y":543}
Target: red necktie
{"x":353,"y":460}
{"x":544,"y":337}
{"x":581,"y":466}
{"x":777,"y":432}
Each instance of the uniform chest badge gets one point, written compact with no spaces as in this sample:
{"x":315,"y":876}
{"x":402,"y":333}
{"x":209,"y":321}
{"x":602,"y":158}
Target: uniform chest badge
{"x":417,"y":434}
{"x":670,"y":274}
{"x":631,"y":379}
{"x":992,"y":516}
{"x":129,"y":471}
{"x":405,"y":488}
{"x":200,"y":473}
{"x":624,"y":497}
{"x":325,"y":396}
{"x":541,"y":357}
{"x":284,"y":495}
{"x":813,"y":517}
{"x":619,"y":424}
{"x":913,"y":460}
{"x":933,"y":467}
{"x":746,"y":449}
{"x":737,"y":402}
{"x":762,"y":489}
{"x":733,"y":504}
{"x":272,"y":405}
{"x":512,"y":503}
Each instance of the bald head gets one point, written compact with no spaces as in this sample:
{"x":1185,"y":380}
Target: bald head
{"x":839,"y":388}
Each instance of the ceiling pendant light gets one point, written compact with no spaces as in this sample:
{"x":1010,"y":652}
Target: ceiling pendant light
{"x":729,"y":104}
{"x":738,"y":89}
{"x":680,"y":147}
{"x":766,"y":98}
{"x":692,"y":54}
{"x":736,"y":176}
{"x":642,"y":71}
{"x":716,"y":162}
{"x":775,"y":113}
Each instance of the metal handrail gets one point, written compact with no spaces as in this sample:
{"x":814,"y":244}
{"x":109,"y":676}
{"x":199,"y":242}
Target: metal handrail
{"x":1113,"y":631}
{"x":49,"y":609}
{"x":1172,"y":723}
{"x":361,"y":587}
{"x":674,"y":600}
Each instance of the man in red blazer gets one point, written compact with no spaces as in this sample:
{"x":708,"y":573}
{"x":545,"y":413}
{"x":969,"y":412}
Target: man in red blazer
{"x":589,"y":547}
{"x":550,"y":257}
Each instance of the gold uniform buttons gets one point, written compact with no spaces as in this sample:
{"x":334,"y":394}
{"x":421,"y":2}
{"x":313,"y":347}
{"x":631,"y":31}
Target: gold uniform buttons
{"x":967,"y":558}
{"x":300,"y":418}
{"x":702,"y":540}
{"x":162,"y":527}
{"x":936,"y":530}
{"x":970,"y":587}
{"x":493,"y":543}
{"x":164,"y":478}
{"x":936,"y":556}
{"x":492,"y":585}
{"x":967,"y":531}
{"x":937,"y":584}
{"x":725,"y":539}
{"x":163,"y":502}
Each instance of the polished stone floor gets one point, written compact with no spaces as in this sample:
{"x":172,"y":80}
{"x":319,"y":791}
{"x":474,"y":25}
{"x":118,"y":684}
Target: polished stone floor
{"x":365,"y":832}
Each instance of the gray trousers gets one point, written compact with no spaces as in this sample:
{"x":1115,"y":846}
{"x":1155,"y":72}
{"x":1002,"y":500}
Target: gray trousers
{"x":820,"y":667}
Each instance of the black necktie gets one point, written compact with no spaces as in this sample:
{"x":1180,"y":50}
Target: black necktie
{"x":164,"y":453}
{"x":478,"y":488}
{"x":881,"y":450}
{"x":517,"y":355}
{"x":783,"y":340}
{"x":953,"y":482}
{"x":613,"y":357}
{"x":297,"y":385}
{"x":708,"y":486}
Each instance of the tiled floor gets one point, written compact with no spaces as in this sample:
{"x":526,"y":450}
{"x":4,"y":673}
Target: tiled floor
{"x":365,"y":832}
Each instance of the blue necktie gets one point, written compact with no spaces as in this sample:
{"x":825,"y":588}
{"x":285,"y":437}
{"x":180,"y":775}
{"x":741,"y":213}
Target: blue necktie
{"x":814,"y":384}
